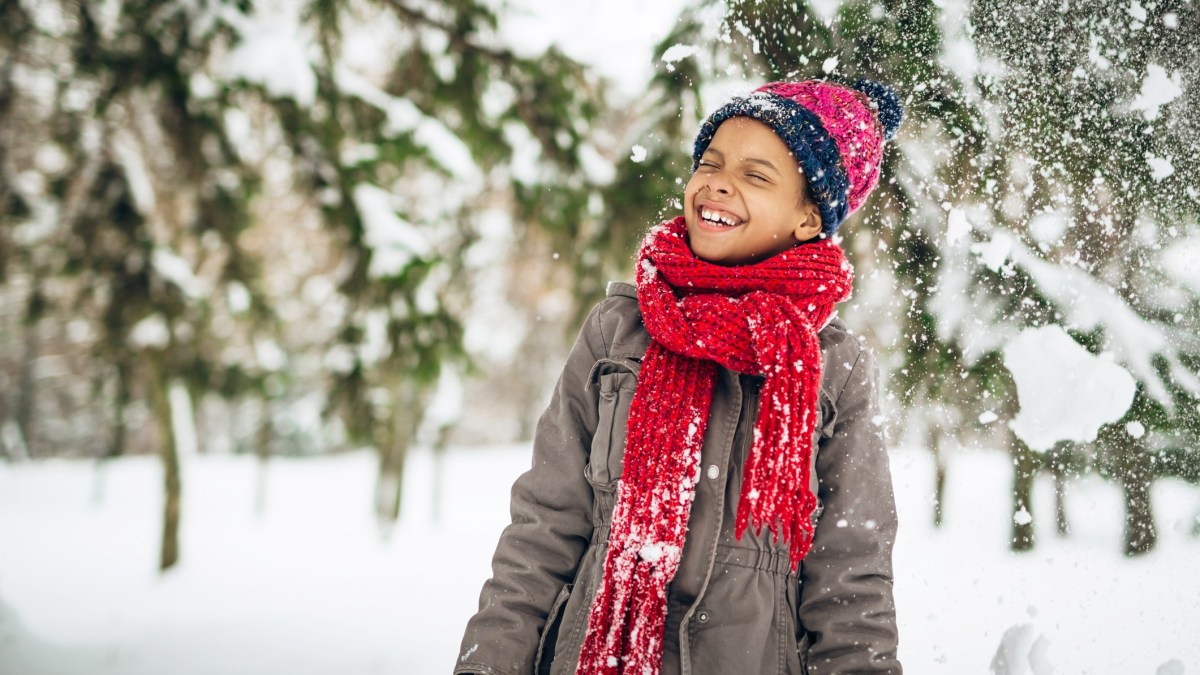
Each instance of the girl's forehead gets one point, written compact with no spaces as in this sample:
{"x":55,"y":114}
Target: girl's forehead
{"x":742,"y":133}
{"x":745,"y":139}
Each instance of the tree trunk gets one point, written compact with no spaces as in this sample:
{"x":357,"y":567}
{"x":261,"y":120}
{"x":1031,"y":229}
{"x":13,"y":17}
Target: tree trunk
{"x":393,"y":451}
{"x":1136,"y":474}
{"x":1062,"y":524}
{"x":116,"y":446}
{"x":27,"y":388}
{"x":262,"y":449}
{"x":11,"y":443}
{"x":939,"y":476}
{"x":439,"y":469}
{"x":1061,"y":457}
{"x":388,"y":490}
{"x":1024,"y":469}
{"x":159,"y":389}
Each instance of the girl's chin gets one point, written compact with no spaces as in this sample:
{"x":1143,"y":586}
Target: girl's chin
{"x":708,"y":252}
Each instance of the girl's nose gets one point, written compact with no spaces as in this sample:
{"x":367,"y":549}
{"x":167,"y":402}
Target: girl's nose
{"x":718,"y":183}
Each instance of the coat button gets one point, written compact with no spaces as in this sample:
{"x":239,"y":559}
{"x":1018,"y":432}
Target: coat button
{"x":713,"y":471}
{"x":702,"y":617}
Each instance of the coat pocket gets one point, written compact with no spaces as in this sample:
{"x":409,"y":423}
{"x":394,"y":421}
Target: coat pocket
{"x":616,"y":381}
{"x":545,"y":648}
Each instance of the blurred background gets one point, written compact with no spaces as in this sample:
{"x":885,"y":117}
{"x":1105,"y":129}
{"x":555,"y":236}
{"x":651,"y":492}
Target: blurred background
{"x":284,"y":286}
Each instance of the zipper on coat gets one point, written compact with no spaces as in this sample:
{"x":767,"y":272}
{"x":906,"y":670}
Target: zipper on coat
{"x":749,"y":416}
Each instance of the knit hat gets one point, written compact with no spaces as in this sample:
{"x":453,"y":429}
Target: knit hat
{"x":836,"y":134}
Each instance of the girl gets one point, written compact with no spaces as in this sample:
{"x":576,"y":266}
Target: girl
{"x":709,"y":491}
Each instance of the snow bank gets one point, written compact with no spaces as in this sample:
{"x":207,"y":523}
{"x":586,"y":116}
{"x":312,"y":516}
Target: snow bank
{"x":80,"y":595}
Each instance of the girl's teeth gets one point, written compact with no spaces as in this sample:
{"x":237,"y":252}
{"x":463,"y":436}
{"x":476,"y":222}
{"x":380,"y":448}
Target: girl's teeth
{"x":717,"y":219}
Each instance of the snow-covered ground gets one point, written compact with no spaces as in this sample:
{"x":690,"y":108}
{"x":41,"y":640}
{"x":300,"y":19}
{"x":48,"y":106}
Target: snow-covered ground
{"x":307,"y":585}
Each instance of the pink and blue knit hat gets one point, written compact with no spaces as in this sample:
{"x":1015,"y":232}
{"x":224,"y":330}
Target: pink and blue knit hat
{"x":836,"y":134}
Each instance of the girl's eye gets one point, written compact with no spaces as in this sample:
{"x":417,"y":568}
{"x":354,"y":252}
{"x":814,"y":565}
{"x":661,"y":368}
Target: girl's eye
{"x":756,"y":176}
{"x":704,"y":163}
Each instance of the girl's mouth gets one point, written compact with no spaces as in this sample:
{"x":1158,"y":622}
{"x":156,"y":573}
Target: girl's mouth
{"x":717,"y":218}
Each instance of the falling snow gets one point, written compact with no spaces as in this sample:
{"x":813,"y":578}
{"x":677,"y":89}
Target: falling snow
{"x":1065,"y":392}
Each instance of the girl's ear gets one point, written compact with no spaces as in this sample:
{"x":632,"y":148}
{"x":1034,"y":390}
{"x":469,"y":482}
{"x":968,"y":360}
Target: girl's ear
{"x":808,"y":222}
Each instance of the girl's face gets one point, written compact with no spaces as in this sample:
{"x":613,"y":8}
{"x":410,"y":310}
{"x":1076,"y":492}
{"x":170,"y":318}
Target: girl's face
{"x":746,"y":200}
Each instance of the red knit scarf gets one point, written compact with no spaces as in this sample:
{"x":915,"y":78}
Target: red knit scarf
{"x":761,"y":319}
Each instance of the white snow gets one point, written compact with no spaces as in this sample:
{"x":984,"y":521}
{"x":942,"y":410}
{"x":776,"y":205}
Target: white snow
{"x":375,"y":345}
{"x":446,"y":405}
{"x":1022,"y":517}
{"x":394,"y":242}
{"x":183,"y":419}
{"x":1181,"y":260}
{"x":637,"y":154}
{"x":1049,"y":228}
{"x":128,"y":154}
{"x":655,"y":551}
{"x":1087,"y":303}
{"x":596,"y":167}
{"x":269,"y":354}
{"x":1160,"y":167}
{"x":958,"y":228}
{"x":1137,"y":11}
{"x":238,"y":297}
{"x":994,"y":252}
{"x":1172,"y":667}
{"x":614,"y":44}
{"x":308,"y":586}
{"x":274,"y":53}
{"x":446,"y":148}
{"x":1022,"y":651}
{"x":1135,"y":429}
{"x":150,"y":332}
{"x":1066,"y":393}
{"x":1158,"y":89}
{"x":177,"y":271}
{"x":676,"y":53}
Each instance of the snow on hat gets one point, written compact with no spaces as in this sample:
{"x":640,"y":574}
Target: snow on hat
{"x":836,"y":133}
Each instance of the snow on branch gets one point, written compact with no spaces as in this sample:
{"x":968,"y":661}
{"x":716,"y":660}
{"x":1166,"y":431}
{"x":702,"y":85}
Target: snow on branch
{"x":1088,"y":303}
{"x":273,"y":53}
{"x":446,"y":148}
{"x":967,"y":311}
{"x":177,"y":271}
{"x":393,"y":241}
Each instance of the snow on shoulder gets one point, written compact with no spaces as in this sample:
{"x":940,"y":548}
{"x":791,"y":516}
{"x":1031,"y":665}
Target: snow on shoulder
{"x":1066,"y":393}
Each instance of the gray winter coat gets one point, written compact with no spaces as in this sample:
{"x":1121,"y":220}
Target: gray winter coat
{"x":734,"y":607}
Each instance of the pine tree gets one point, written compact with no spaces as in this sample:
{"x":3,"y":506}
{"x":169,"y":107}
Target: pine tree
{"x":265,"y":211}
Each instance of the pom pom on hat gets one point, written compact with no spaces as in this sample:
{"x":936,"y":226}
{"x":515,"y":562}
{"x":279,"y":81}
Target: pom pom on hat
{"x":886,"y":103}
{"x":836,"y":133}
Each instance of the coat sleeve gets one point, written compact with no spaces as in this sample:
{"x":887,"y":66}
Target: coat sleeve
{"x":846,"y":605}
{"x":540,"y":550}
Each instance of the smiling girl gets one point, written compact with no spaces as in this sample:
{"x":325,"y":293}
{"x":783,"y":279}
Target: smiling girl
{"x":710,"y":491}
